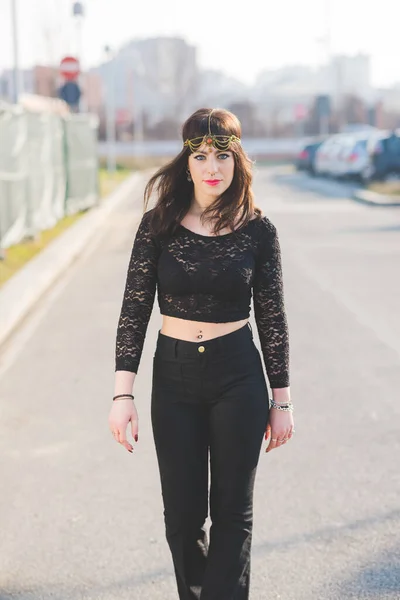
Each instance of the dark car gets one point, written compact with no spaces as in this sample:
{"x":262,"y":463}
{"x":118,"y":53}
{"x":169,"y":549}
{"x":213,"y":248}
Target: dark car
{"x":305,"y":159}
{"x":384,"y":158}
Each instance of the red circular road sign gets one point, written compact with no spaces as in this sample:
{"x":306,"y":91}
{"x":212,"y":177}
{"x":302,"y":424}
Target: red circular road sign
{"x":69,"y":68}
{"x":300,"y":112}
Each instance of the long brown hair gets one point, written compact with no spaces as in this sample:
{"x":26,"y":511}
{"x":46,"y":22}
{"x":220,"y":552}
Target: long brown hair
{"x":232,"y":209}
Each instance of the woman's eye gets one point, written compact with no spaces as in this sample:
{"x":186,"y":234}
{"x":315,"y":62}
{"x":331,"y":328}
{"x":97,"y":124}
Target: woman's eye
{"x":223,"y":156}
{"x":199,"y":156}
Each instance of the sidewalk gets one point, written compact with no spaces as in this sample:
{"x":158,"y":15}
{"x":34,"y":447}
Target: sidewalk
{"x":20,"y":294}
{"x":375,"y":199}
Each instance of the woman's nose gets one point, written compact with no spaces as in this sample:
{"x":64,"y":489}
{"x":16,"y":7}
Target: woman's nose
{"x":212,"y":166}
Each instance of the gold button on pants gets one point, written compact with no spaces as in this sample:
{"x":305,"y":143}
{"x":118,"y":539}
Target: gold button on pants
{"x":201,"y":348}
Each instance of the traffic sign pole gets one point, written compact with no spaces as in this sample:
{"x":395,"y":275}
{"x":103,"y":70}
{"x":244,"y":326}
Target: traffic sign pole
{"x":70,"y":91}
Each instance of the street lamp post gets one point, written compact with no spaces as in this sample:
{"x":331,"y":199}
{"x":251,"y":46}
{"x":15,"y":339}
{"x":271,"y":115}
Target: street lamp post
{"x":324,"y":121}
{"x":78,"y":14}
{"x":326,"y":42}
{"x":16,"y":74}
{"x":110,"y":111}
{"x":138,"y":75}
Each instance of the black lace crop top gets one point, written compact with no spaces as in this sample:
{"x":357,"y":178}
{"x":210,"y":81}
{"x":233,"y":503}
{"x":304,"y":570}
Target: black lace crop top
{"x":209,"y":279}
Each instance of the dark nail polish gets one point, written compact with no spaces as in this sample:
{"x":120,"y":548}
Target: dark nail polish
{"x":136,"y":437}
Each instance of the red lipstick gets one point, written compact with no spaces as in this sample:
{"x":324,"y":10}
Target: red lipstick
{"x":212,"y":181}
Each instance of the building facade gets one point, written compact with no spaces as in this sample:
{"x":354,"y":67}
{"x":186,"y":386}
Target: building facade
{"x":153,"y":79}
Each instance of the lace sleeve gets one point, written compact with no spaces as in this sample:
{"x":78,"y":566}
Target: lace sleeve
{"x":138,"y":299}
{"x":269,"y":309}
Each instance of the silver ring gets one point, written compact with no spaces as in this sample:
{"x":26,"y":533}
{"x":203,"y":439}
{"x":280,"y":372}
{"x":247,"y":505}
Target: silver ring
{"x":274,"y":440}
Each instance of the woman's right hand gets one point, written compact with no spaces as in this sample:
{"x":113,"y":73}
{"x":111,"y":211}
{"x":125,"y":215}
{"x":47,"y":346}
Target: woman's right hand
{"x":122,"y":412}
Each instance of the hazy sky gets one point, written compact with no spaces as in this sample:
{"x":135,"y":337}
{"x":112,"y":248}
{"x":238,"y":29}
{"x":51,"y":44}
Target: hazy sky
{"x":234,"y":36}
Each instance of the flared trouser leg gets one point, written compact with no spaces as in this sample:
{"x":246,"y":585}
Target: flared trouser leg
{"x":182,"y":452}
{"x":237,"y":426}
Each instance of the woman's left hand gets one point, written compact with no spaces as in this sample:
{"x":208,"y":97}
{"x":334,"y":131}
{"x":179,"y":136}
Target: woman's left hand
{"x":280,"y":428}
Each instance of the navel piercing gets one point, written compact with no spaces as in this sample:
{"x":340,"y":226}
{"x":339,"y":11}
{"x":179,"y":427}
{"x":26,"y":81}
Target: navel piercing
{"x":200,"y":335}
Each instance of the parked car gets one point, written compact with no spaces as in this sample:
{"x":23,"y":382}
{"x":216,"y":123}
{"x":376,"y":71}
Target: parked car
{"x":353,"y":158}
{"x":306,"y":157}
{"x":346,"y":155}
{"x":326,"y":155}
{"x":384,"y":157}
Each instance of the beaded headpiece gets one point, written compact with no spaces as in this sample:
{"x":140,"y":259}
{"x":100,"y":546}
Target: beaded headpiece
{"x":220,"y":142}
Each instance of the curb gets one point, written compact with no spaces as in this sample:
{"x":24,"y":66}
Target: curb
{"x":19,"y":295}
{"x":375,"y":199}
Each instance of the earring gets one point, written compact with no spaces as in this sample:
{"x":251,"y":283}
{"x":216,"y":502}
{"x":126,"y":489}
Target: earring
{"x":189,"y":177}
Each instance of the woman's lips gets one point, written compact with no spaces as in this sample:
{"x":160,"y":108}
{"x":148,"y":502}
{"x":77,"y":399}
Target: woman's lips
{"x":212,"y":181}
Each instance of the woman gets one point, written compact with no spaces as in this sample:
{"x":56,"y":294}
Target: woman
{"x":208,"y":249}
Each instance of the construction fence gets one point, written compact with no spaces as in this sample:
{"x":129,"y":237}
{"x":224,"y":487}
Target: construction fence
{"x":48,"y":168}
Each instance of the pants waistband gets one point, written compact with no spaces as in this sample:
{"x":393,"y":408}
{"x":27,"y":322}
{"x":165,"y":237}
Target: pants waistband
{"x":175,"y":347}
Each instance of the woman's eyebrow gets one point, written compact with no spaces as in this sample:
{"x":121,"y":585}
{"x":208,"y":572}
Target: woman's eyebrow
{"x":206,"y":153}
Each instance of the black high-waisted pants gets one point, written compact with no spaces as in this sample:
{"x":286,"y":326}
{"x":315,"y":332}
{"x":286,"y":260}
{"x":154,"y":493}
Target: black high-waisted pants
{"x":209,"y":404}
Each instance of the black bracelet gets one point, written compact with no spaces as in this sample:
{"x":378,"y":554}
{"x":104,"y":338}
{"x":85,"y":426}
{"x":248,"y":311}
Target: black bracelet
{"x":123,"y":396}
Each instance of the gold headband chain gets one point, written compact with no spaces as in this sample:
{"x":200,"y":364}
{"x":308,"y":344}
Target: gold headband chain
{"x":220,"y":142}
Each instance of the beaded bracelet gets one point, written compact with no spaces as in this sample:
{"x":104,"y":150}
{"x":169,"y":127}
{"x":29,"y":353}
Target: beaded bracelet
{"x":288,"y":406}
{"x":123,"y":396}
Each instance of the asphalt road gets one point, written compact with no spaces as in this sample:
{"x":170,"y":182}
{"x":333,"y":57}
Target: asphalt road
{"x":81,"y":518}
